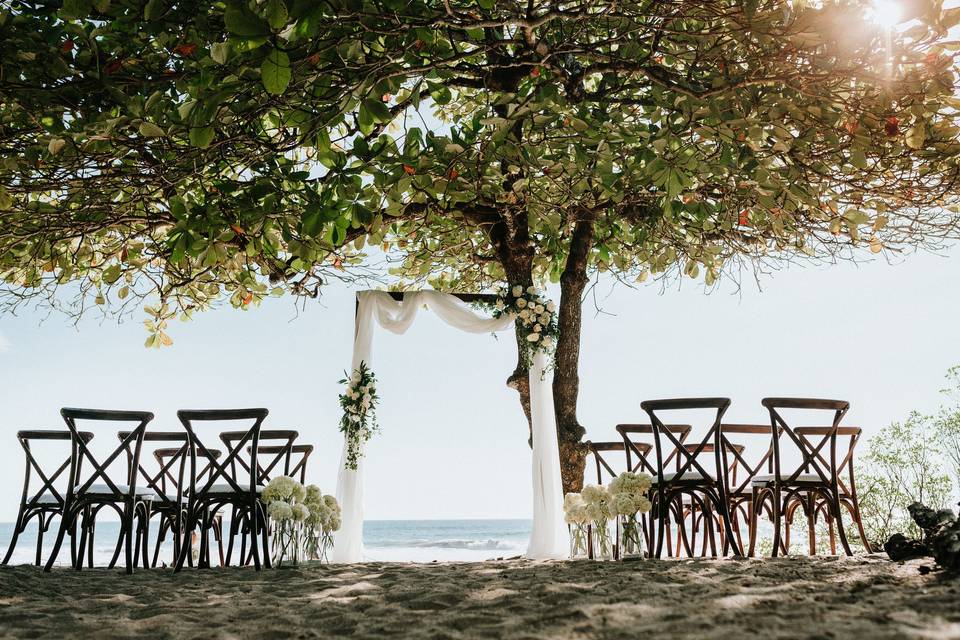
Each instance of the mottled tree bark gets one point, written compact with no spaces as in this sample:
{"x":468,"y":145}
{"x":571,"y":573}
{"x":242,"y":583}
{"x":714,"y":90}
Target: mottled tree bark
{"x":566,"y":377}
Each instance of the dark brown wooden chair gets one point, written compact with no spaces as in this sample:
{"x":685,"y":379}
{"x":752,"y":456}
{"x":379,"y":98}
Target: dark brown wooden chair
{"x":705,"y":486}
{"x":638,"y":443}
{"x":165,"y":477}
{"x":44,"y":502}
{"x":744,"y":460}
{"x":815,"y":484}
{"x":284,"y":458}
{"x":91,"y":491}
{"x":223,"y":485}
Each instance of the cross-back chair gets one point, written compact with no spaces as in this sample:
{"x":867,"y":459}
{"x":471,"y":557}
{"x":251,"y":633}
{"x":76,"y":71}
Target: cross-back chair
{"x":91,"y":487}
{"x":743,"y":463}
{"x":224,"y":485}
{"x":43,"y":500}
{"x":814,"y":484}
{"x":163,"y":471}
{"x":705,"y":486}
{"x":271,"y":460}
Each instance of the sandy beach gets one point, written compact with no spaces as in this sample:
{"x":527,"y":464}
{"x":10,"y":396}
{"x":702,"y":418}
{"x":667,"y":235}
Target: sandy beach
{"x":861,"y":597}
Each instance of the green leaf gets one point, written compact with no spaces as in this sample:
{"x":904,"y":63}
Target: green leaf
{"x":244,"y":23}
{"x":201,"y":136}
{"x":276,"y":14}
{"x":916,"y":136}
{"x":220,"y":52}
{"x":154,"y":9}
{"x":151,"y":130}
{"x":858,"y":159}
{"x":275,"y":72}
{"x":377,"y":110}
{"x":5,"y":200}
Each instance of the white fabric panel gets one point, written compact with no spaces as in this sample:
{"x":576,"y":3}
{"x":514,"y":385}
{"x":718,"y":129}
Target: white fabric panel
{"x":549,"y":533}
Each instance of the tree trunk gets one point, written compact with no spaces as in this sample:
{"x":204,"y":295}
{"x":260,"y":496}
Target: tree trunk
{"x":566,"y":377}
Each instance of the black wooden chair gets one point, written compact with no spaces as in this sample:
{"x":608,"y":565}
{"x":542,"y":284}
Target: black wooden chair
{"x":90,"y":491}
{"x":45,"y":501}
{"x":815,"y":484}
{"x":165,"y":477}
{"x":705,"y":486}
{"x":224,"y":485}
{"x":272,"y":460}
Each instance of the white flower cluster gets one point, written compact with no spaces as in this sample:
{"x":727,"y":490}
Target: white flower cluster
{"x":536,"y":314}
{"x":284,"y":498}
{"x":625,"y":495}
{"x":629,"y":491}
{"x":359,"y":403}
{"x":324,"y":511}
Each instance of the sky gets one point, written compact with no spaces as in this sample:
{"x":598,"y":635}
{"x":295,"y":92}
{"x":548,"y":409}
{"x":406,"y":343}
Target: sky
{"x":453,"y":438}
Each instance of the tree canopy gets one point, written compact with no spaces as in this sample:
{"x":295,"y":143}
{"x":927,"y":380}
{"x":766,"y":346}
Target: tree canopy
{"x":198,"y":151}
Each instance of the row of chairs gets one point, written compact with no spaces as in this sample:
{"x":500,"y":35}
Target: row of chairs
{"x":191,"y":479}
{"x":717,"y":483}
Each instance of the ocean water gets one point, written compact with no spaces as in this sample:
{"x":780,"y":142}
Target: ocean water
{"x":384,"y":540}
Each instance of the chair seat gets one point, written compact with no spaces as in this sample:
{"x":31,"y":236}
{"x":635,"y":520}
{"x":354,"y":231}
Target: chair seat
{"x":47,"y":498}
{"x":687,"y":476}
{"x":104,"y":489}
{"x":227,"y":489}
{"x":803,"y":478}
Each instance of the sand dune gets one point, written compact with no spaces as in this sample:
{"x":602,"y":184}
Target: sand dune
{"x":862,"y":597}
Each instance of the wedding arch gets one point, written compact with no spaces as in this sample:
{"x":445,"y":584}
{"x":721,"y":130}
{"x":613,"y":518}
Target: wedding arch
{"x":396,"y":312}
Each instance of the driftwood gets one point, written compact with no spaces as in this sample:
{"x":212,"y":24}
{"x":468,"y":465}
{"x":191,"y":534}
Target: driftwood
{"x":941,"y":538}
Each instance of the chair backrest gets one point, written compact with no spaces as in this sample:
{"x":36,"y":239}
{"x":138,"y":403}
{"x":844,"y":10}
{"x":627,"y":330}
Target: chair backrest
{"x":164,"y":474}
{"x":100,"y":471}
{"x":275,"y":444}
{"x":604,"y":462}
{"x":294,"y":461}
{"x":809,"y":442}
{"x":742,"y":467}
{"x":222,"y":471}
{"x":638,"y":440}
{"x":53,"y":482}
{"x":688,"y":455}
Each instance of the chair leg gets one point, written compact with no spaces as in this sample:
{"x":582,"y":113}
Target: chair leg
{"x":78,"y":557}
{"x":65,"y":523}
{"x":859,"y":522}
{"x":812,"y":523}
{"x":146,"y":535}
{"x":835,"y":506}
{"x":184,"y":535}
{"x":41,"y":520}
{"x":752,"y":515}
{"x":776,"y":523}
{"x":128,"y":517}
{"x":161,"y":536}
{"x":661,"y":518}
{"x":17,"y":528}
{"x":254,"y":530}
{"x":265,"y":537}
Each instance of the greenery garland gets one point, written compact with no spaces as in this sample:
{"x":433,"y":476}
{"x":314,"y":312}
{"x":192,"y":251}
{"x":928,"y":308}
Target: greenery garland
{"x":359,"y":421}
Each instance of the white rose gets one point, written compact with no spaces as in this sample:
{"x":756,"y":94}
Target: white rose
{"x":517,"y":291}
{"x":545,"y":319}
{"x":538,"y":309}
{"x":521,"y":303}
{"x":533,"y":337}
{"x":500,"y":306}
{"x":524,"y":314}
{"x":531,"y":289}
{"x":547,"y":342}
{"x":551,"y":307}
{"x":537,"y":328}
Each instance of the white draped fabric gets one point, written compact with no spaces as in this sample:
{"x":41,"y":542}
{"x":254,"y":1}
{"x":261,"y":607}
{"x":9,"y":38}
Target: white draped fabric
{"x":548,"y":538}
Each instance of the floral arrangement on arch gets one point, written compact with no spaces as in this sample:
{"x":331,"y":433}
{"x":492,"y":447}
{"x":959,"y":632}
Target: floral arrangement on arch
{"x":304,"y":520}
{"x":535,"y":312}
{"x":359,"y":404}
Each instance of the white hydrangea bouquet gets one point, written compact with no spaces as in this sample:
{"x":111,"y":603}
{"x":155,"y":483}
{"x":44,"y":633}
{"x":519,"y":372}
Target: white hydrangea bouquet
{"x":359,"y":403}
{"x":536,"y":314}
{"x":599,"y":510}
{"x":629,"y":496}
{"x":575,"y":514}
{"x":284,"y":498}
{"x":323,"y":521}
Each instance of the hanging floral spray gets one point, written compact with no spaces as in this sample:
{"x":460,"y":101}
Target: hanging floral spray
{"x":359,"y":421}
